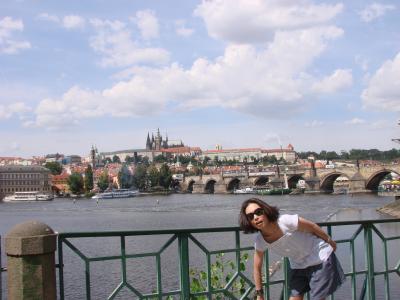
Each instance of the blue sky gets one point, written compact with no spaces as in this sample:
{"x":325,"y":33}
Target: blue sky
{"x":321,"y":75}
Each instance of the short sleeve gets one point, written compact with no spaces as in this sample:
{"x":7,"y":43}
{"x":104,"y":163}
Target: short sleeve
{"x":259,"y":243}
{"x":290,"y":222}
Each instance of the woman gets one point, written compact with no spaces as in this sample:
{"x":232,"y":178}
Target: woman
{"x":314,"y":267}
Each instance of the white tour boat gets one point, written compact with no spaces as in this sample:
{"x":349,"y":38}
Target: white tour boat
{"x":28,"y":196}
{"x":121,"y":193}
{"x":246,"y":190}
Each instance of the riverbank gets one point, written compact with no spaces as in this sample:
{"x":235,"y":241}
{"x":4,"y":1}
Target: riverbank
{"x":392,"y":209}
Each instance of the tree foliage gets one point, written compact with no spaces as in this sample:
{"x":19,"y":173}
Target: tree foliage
{"x":116,"y":159}
{"x":103,"y":181}
{"x":125,"y":178}
{"x":54,"y":167}
{"x":75,"y":183}
{"x":140,"y":177}
{"x":88,"y":181}
{"x":353,"y":154}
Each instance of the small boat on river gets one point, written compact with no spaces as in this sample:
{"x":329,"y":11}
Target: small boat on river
{"x":246,"y":190}
{"x":120,"y":193}
{"x":28,"y":196}
{"x":276,"y":191}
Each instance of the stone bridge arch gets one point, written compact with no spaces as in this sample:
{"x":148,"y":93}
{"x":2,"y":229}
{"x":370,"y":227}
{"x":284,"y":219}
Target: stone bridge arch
{"x":373,"y":181}
{"x":326,"y":185}
{"x":233,"y":184}
{"x":293,"y":180}
{"x":261,"y":180}
{"x":209,"y":187}
{"x":190,"y":185}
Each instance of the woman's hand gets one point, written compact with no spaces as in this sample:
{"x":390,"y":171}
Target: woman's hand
{"x":332,"y":243}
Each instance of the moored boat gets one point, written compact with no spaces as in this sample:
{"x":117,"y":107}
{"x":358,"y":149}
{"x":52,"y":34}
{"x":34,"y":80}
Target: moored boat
{"x":246,"y":190}
{"x":120,"y":193}
{"x":28,"y":196}
{"x":276,"y":191}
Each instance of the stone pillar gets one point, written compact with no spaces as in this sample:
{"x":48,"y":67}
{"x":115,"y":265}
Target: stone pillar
{"x":198,"y":188}
{"x":30,"y":249}
{"x":357,"y":184}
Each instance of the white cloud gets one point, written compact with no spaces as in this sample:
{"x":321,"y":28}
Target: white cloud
{"x":338,"y":80}
{"x":73,"y":22}
{"x":245,"y":21}
{"x":8,"y":45}
{"x":355,"y":121}
{"x":314,"y":124}
{"x":270,"y":83}
{"x":383,"y":90}
{"x":48,"y":17}
{"x":147,"y":22}
{"x":114,"y":42}
{"x":17,"y":108}
{"x":181,"y":29}
{"x":374,"y":11}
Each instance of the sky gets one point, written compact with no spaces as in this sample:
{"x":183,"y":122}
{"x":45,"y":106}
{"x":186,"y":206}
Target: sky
{"x":321,"y":75}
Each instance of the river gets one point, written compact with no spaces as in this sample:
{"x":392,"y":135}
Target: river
{"x":173,"y":212}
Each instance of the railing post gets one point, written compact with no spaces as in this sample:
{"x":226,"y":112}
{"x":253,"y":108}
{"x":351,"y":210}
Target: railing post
{"x":369,"y":260}
{"x":30,"y":249}
{"x":183,"y":239}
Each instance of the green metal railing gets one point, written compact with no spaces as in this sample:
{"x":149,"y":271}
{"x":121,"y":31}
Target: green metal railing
{"x":186,"y":240}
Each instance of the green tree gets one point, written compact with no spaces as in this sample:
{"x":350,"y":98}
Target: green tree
{"x":165,"y":176}
{"x":125,"y":178}
{"x":75,"y":183}
{"x":160,"y":159}
{"x":103,"y":181}
{"x":154,"y":175}
{"x":54,"y":167}
{"x":88,"y":181}
{"x":140,"y":177}
{"x":116,"y":159}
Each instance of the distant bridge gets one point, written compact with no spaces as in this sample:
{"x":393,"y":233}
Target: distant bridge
{"x":360,"y":179}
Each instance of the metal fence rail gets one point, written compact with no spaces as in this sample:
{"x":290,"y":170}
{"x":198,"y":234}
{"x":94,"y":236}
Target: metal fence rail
{"x":367,"y":231}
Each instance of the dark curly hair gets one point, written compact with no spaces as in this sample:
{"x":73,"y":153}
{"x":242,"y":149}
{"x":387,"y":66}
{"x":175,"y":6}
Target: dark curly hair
{"x":271,"y":212}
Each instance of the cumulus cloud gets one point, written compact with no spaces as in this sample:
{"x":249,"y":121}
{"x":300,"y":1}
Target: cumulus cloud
{"x":8,"y":44}
{"x":355,"y":121}
{"x":73,"y":22}
{"x":338,"y":80}
{"x":271,"y":82}
{"x":47,"y":17}
{"x":114,"y":42}
{"x":245,"y":21}
{"x":17,"y":108}
{"x":383,"y":90}
{"x":181,"y":29}
{"x":147,"y":23}
{"x":374,"y":11}
{"x":314,"y":124}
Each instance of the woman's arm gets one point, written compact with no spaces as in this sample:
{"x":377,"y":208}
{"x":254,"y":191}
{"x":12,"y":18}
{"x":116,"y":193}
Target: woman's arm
{"x":308,"y":226}
{"x":257,"y":273}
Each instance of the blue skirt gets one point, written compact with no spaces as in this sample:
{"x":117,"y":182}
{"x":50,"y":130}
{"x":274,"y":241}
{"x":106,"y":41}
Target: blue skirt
{"x":320,"y":280}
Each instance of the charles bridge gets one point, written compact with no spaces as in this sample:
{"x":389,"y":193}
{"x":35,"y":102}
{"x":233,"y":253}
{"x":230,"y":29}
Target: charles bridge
{"x":360,"y":179}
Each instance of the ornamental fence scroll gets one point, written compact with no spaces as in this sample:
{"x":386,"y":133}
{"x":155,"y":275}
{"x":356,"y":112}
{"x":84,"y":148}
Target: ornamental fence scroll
{"x":366,"y":249}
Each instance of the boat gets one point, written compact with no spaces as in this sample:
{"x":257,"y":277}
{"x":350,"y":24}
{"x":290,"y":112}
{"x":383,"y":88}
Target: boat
{"x":120,"y":193}
{"x":246,"y":190}
{"x":28,"y":196}
{"x":276,"y":191}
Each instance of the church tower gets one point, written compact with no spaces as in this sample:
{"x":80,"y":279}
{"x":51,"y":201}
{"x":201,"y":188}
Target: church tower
{"x":148,"y":143}
{"x":93,"y":157}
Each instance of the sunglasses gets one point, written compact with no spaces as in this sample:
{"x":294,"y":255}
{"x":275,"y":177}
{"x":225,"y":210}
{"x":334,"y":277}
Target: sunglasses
{"x":258,"y":212}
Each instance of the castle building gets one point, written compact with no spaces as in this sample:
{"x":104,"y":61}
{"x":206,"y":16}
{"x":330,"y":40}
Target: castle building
{"x":156,"y":145}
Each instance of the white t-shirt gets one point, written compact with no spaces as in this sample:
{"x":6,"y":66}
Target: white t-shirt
{"x":303,"y":249}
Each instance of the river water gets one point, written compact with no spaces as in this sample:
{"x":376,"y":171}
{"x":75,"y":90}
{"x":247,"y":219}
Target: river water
{"x":172,"y":212}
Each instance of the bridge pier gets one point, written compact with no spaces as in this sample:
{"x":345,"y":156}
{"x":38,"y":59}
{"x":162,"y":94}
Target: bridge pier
{"x":357,"y":184}
{"x":313,"y":185}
